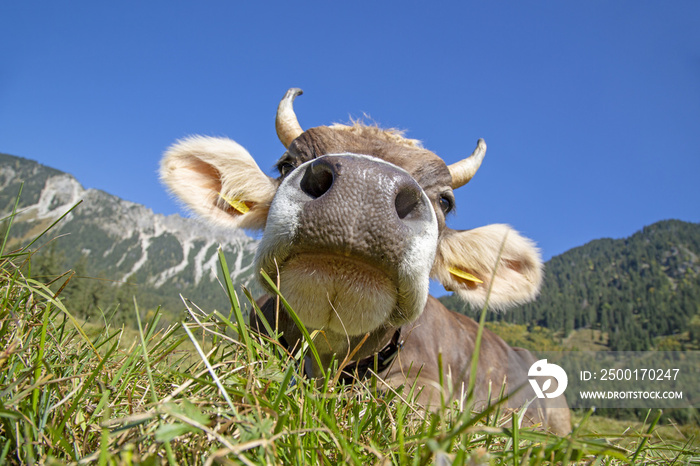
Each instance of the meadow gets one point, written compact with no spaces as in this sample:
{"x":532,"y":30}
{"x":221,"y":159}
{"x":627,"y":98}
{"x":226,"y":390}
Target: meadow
{"x":207,"y":390}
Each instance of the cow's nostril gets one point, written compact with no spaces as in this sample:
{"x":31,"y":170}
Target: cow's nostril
{"x":406,"y":202}
{"x":317,"y":180}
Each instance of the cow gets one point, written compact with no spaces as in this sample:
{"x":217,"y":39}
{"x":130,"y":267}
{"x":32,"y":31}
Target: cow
{"x":353,"y":230}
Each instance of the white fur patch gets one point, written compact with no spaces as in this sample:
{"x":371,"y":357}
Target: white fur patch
{"x":338,"y":294}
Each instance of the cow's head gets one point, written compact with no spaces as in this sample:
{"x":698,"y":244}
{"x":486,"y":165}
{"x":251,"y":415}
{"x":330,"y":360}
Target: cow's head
{"x":355,"y":222}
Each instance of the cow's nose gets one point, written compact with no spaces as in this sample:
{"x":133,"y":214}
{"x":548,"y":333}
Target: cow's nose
{"x":318,"y":178}
{"x":355,"y":206}
{"x":321,"y":174}
{"x":407,"y":201}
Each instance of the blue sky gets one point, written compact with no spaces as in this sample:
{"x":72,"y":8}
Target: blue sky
{"x":591,"y":110}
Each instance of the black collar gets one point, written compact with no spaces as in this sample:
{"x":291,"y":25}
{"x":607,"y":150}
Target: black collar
{"x":384,"y":357}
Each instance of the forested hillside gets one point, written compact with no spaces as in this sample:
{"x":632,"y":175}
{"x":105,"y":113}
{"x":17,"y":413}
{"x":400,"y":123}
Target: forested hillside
{"x":639,"y":293}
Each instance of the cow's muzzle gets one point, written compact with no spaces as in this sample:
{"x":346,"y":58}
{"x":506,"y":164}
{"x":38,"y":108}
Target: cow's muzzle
{"x":354,"y":239}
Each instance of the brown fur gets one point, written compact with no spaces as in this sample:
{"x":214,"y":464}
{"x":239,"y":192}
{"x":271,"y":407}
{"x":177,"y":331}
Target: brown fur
{"x":423,"y":165}
{"x":438,"y":332}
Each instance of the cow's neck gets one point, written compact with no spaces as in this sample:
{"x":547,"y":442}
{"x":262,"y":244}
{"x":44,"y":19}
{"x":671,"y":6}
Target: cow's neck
{"x":332,"y":345}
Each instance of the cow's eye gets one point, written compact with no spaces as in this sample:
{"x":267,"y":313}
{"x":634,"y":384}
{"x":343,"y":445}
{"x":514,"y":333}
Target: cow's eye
{"x":286,"y":168}
{"x":446,"y":203}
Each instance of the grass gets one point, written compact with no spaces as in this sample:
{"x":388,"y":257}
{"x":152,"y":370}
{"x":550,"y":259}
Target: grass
{"x":208,"y":391}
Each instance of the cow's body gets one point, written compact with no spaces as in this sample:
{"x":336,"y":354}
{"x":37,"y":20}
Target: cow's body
{"x":434,"y":333}
{"x":354,"y":227}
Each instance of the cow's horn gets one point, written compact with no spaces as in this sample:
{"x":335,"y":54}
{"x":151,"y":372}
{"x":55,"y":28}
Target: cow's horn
{"x":288,"y":128}
{"x":464,"y":170}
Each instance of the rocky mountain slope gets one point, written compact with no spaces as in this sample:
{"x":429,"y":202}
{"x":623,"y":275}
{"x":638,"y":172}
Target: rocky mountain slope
{"x":125,"y":245}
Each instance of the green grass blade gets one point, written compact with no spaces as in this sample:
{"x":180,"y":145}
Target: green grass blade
{"x":233,"y":298}
{"x":11,"y":219}
{"x":289,"y":373}
{"x":218,"y":383}
{"x":298,"y":322}
{"x":259,"y":313}
{"x":651,"y":428}
{"x":482,"y":321}
{"x":40,"y":356}
{"x":104,"y":439}
{"x":154,"y":391}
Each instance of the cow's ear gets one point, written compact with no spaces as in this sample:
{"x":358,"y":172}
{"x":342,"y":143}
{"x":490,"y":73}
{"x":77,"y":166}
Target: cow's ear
{"x":219,"y":180}
{"x":493,"y":257}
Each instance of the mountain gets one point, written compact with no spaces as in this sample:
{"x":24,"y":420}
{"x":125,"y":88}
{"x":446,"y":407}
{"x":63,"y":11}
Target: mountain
{"x":123,"y":247}
{"x":635,"y":293}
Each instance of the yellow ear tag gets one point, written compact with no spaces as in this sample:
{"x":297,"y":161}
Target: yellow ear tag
{"x":240,"y":206}
{"x":464,"y":275}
